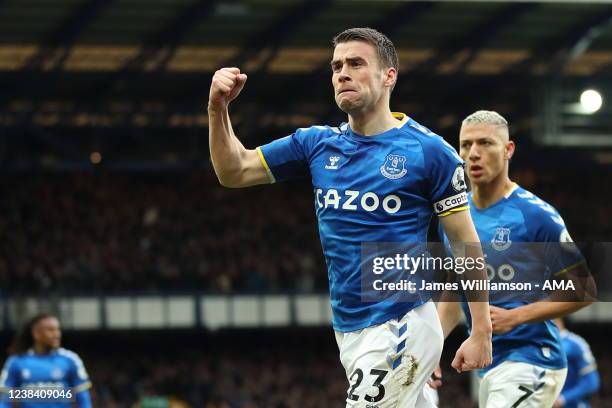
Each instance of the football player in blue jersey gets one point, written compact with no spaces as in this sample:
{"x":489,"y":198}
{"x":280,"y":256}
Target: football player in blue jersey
{"x":56,"y":376}
{"x":582,"y":376}
{"x":529,"y":364}
{"x":378,"y":178}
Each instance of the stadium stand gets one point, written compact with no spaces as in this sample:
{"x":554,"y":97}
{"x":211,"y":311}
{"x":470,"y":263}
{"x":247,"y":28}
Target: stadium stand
{"x":145,"y":232}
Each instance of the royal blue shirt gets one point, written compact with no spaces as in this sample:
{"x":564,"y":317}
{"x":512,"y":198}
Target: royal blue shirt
{"x":380,"y":188}
{"x":522,"y":238}
{"x":60,"y":369}
{"x":582,"y":376}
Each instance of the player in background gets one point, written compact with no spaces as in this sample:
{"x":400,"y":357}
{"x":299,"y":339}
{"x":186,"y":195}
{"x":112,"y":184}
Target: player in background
{"x":378,"y":178}
{"x":529,"y":364}
{"x":37,"y":360}
{"x":582,"y":376}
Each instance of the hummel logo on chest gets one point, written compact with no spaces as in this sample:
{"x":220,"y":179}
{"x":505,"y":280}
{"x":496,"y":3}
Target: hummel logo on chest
{"x":333,"y":163}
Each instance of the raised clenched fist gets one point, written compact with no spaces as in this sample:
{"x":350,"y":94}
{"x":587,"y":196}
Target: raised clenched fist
{"x":225,"y":87}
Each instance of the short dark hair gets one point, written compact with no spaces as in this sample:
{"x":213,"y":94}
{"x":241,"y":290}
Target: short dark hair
{"x":24,"y":340}
{"x":384,"y":47}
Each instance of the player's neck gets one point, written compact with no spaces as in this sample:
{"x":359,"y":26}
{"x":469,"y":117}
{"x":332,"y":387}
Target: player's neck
{"x":40,"y":349}
{"x":485,"y":195}
{"x":373,"y":122}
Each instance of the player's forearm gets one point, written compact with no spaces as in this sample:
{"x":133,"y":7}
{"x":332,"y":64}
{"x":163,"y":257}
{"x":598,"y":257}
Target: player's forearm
{"x":226,"y":151}
{"x":545,"y":310}
{"x":481,"y":318}
{"x":462,"y":234}
{"x":478,"y":300}
{"x":450,"y":315}
{"x":465,"y":244}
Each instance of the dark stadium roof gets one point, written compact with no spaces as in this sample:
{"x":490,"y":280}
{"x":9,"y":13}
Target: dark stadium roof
{"x":136,"y":63}
{"x":292,"y":36}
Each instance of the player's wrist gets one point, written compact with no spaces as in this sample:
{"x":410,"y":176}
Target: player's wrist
{"x":483,"y":330}
{"x":482,"y":326}
{"x":516,"y":317}
{"x":215,"y":108}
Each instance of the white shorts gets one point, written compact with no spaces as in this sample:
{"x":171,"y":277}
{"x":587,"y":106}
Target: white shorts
{"x":520,"y":385}
{"x":388,"y":365}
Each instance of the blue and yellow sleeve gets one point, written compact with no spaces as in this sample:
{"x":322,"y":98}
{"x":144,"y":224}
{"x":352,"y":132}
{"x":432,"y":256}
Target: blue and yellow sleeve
{"x":448,"y":188}
{"x":83,"y":399}
{"x":587,"y":381}
{"x":561,"y":254}
{"x":285,"y":158}
{"x":9,"y":378}
{"x":80,"y":383}
{"x":265,"y":165}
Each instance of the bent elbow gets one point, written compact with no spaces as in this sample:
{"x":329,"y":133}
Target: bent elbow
{"x":229,"y":181}
{"x":224,"y":183}
{"x":588,"y":302}
{"x":581,"y":304}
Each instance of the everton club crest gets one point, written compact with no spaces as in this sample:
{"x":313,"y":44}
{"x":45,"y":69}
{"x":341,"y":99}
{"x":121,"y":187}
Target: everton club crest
{"x":394,"y":168}
{"x":501,"y":240}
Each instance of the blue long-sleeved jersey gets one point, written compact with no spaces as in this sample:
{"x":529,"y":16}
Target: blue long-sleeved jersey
{"x":60,"y":369}
{"x":582,"y":375}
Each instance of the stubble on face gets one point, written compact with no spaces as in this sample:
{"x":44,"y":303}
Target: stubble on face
{"x":356,"y":76}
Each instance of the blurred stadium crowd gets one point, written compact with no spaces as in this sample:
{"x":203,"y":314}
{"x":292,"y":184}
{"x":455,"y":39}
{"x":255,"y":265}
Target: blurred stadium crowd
{"x":112,"y":232}
{"x":108,"y":232}
{"x":250,"y":369}
{"x":257,"y":378}
{"x":125,"y":232}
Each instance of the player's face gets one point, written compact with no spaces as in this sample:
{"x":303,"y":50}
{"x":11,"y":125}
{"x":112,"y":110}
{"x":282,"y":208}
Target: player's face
{"x":47,"y":333}
{"x":358,"y":79}
{"x":484,"y":151}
